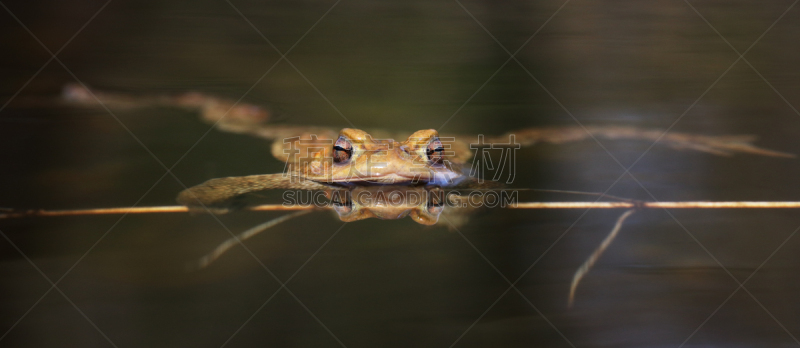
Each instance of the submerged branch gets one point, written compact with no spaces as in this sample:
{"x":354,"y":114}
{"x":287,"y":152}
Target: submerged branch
{"x":587,"y":265}
{"x":721,"y":145}
{"x":237,"y":239}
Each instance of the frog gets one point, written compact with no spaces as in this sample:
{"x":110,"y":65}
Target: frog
{"x":354,"y":159}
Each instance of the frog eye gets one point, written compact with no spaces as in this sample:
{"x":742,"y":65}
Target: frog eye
{"x":342,"y":150}
{"x":343,"y":208}
{"x":435,"y":202}
{"x":435,"y":151}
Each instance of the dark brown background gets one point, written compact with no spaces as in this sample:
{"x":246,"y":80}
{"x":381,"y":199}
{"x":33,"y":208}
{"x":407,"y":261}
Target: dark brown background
{"x":406,"y":65}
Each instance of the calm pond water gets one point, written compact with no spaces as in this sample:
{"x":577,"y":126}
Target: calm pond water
{"x":671,"y":277}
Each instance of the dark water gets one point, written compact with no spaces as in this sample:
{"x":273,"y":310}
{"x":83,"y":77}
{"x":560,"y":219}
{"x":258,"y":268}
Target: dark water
{"x":670,"y":278}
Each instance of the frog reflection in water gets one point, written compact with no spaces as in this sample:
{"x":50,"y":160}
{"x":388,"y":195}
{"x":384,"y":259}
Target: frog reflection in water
{"x":422,"y":204}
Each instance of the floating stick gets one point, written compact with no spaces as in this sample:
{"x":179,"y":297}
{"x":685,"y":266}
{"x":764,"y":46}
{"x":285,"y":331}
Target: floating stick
{"x":11,"y":213}
{"x":656,"y":205}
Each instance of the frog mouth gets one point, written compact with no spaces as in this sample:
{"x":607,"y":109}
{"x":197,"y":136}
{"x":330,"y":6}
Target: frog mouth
{"x":385,"y":179}
{"x":436,"y":178}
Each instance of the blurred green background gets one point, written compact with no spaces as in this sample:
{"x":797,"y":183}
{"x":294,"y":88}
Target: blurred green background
{"x":402,"y":66}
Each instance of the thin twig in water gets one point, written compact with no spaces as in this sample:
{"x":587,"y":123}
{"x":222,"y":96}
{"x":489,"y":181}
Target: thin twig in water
{"x":222,"y":248}
{"x":587,"y":265}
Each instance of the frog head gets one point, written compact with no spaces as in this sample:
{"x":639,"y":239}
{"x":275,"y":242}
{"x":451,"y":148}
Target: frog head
{"x":355,"y":158}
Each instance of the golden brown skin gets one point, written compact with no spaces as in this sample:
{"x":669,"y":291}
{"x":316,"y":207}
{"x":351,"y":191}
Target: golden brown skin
{"x":221,"y":194}
{"x":380,"y":161}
